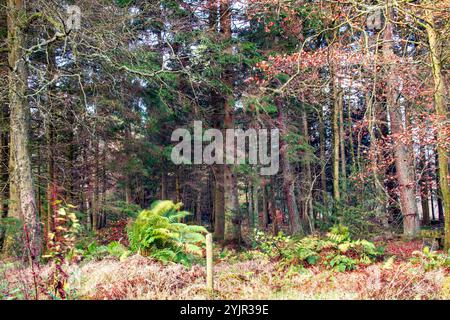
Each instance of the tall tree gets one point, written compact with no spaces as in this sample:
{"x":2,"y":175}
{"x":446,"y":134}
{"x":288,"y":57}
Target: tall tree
{"x":288,"y":177}
{"x":442,"y":114}
{"x":232,"y":212}
{"x":23,"y":198}
{"x":403,"y":168}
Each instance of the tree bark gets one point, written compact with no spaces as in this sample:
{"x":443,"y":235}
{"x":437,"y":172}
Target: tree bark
{"x":350,"y":137}
{"x":424,"y":189}
{"x":177,"y":186}
{"x":20,"y":159}
{"x":441,"y":110}
{"x":255,"y":214}
{"x":337,"y":100}
{"x":265,"y":208}
{"x":219,"y":204}
{"x":271,"y":205}
{"x":288,"y":178}
{"x":96,"y":193}
{"x":308,"y":206}
{"x":232,"y":214}
{"x":323,"y":161}
{"x":403,"y":168}
{"x":342,"y":147}
{"x":164,"y":195}
{"x":4,"y":129}
{"x":198,"y":207}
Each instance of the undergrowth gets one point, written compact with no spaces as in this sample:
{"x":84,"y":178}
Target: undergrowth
{"x":158,"y":233}
{"x":335,"y":251}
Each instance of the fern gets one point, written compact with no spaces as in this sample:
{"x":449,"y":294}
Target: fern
{"x":339,"y":234}
{"x":336,"y":251}
{"x":158,"y":233}
{"x":118,"y":250}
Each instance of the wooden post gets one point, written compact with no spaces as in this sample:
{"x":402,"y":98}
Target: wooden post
{"x":209,"y":264}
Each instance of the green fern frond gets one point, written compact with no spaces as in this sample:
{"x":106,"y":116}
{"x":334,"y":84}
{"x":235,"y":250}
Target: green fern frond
{"x":195,"y":228}
{"x":177,"y":216}
{"x":158,"y":233}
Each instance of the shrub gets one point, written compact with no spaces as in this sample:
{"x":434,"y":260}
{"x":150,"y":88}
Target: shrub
{"x":97,"y":252}
{"x":334,"y":251}
{"x":430,"y":260}
{"x":61,"y":241}
{"x":341,"y":262}
{"x":269,"y":244}
{"x":158,"y":233}
{"x":94,"y":251}
{"x":118,"y":250}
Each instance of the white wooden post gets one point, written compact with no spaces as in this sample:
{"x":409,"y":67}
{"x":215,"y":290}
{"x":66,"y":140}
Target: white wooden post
{"x":209,"y":264}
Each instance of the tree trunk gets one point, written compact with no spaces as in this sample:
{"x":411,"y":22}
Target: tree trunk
{"x":265,"y":208}
{"x":403,"y":168}
{"x":255,"y":214}
{"x":177,"y":186}
{"x":271,"y":206}
{"x":104,"y":187}
{"x":323,"y":161}
{"x":219,"y":204}
{"x":249,"y":199}
{"x":288,"y":179}
{"x":20,"y":159}
{"x":308,"y":209}
{"x":424,"y":189}
{"x":198,"y":207}
{"x":164,"y":195}
{"x":350,"y":137}
{"x":425,"y":206}
{"x":232,"y":214}
{"x":342,"y":147}
{"x":442,"y":114}
{"x":337,"y":101}
{"x":4,"y":130}
{"x":96,"y":194}
{"x":4,"y":122}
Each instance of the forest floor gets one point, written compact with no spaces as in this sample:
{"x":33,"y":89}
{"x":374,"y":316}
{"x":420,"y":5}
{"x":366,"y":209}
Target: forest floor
{"x":140,"y":278}
{"x":237,"y":275}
